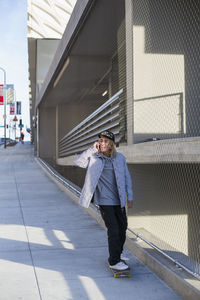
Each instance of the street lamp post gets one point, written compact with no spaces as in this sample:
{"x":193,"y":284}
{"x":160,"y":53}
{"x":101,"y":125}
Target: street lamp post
{"x":4,"y":99}
{"x":15,"y":111}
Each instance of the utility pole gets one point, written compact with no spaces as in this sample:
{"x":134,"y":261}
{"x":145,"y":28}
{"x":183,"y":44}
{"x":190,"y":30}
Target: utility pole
{"x":15,"y":111}
{"x":4,"y":101}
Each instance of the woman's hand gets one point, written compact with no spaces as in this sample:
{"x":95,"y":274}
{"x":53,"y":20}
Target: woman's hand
{"x":130,"y":203}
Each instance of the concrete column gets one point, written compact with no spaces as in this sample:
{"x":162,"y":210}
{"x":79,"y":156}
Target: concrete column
{"x":47,"y":133}
{"x":57,"y":130}
{"x":129,"y":68}
{"x":38,"y":132}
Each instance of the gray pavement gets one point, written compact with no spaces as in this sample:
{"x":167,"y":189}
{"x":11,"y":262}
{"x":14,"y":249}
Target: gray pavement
{"x":51,"y":249}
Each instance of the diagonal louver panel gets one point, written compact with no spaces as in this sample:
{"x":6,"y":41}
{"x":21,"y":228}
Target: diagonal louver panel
{"x":107,"y":116}
{"x":47,"y":18}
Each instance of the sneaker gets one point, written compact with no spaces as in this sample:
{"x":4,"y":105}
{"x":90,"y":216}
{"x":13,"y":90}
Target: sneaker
{"x":119,"y":266}
{"x":122,"y":257}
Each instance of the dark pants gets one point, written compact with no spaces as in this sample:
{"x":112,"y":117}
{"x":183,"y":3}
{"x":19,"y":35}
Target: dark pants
{"x":116,"y":222}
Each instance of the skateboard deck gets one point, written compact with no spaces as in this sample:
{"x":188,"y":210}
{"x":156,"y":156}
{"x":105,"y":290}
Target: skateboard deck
{"x":118,"y":274}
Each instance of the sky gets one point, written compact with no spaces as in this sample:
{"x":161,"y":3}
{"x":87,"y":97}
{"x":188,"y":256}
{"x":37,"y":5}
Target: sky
{"x":14,"y":52}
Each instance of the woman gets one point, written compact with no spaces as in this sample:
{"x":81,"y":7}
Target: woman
{"x":108,"y":182}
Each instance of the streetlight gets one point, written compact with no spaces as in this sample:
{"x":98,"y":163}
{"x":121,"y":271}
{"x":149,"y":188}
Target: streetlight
{"x":4,"y":99}
{"x":15,"y":118}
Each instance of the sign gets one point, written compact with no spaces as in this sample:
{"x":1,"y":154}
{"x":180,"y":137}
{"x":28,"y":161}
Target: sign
{"x":12,"y":108}
{"x":19,"y":108}
{"x":1,"y":94}
{"x":10,"y":93}
{"x":15,"y":119}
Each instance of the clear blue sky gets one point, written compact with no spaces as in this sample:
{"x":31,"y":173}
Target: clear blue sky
{"x":14,"y":50}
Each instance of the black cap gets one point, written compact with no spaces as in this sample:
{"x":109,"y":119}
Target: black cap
{"x":107,"y":133}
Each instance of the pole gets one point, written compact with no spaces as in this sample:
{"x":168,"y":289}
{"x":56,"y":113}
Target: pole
{"x":4,"y":101}
{"x":15,"y":111}
{"x":9,"y":129}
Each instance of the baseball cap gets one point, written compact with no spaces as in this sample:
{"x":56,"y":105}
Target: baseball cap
{"x":107,"y":133}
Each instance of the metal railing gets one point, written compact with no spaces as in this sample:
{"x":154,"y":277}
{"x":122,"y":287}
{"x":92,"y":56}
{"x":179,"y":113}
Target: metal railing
{"x":169,"y":121}
{"x":107,"y":116}
{"x":77,"y":191}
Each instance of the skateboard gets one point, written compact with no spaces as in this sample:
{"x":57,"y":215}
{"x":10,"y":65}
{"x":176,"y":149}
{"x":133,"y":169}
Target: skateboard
{"x":120,"y":274}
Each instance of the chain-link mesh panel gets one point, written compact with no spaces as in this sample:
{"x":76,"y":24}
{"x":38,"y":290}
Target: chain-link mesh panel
{"x":106,"y":79}
{"x":166,"y":107}
{"x":152,"y":54}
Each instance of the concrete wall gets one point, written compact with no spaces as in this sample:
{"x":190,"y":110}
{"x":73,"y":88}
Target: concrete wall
{"x":47,"y":133}
{"x":71,"y":115}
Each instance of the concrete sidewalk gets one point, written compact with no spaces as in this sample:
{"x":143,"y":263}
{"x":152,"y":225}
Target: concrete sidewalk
{"x":51,"y":249}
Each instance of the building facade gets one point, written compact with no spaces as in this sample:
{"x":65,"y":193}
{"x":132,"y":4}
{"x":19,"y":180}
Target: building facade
{"x":47,"y":20}
{"x":131,"y":66}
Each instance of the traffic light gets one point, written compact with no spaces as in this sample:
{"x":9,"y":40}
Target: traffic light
{"x":6,"y":125}
{"x":20,"y":124}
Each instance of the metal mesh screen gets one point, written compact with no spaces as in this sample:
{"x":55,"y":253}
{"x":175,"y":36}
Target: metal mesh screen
{"x":153,"y":56}
{"x":106,"y":82}
{"x":166,"y":106}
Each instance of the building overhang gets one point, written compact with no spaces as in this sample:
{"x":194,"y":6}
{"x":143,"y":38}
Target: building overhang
{"x":83,"y":54}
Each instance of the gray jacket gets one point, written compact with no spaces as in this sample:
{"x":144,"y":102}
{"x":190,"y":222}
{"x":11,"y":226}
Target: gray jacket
{"x":94,"y":163}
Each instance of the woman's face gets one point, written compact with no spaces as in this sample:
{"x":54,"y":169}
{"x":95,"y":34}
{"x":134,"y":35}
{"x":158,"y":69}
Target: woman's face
{"x":105,"y":145}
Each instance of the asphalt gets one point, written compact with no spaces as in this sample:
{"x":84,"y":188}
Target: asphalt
{"x":52,"y":249}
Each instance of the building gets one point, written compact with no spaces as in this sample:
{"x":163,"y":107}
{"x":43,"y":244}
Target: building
{"x":46,"y":23}
{"x":131,"y":66}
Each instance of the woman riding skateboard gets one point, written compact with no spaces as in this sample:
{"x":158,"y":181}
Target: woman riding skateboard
{"x":108,"y":183}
